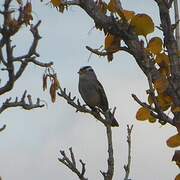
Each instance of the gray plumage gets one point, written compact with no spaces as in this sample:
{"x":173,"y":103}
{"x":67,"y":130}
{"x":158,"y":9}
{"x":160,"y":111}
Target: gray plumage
{"x":93,"y":92}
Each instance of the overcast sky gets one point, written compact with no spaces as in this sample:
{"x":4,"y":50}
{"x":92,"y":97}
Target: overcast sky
{"x":30,"y":145}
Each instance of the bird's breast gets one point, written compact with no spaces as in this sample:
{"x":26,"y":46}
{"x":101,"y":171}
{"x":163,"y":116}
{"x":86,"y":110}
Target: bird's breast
{"x":89,"y":93}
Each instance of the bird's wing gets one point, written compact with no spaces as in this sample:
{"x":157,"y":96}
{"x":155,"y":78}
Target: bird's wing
{"x":104,"y":102}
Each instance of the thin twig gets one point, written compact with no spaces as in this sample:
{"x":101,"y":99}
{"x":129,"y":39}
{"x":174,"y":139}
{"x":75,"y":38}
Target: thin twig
{"x":1,"y":129}
{"x":106,"y":53}
{"x":127,"y":167}
{"x":142,"y":103}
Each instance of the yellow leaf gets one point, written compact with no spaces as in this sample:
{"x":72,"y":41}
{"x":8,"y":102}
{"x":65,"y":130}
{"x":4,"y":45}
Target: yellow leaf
{"x":142,"y":24}
{"x":164,"y":101}
{"x":178,"y":53}
{"x":102,"y":7}
{"x":152,"y":119}
{"x":155,"y":45}
{"x":177,"y":177}
{"x":173,"y":141}
{"x":161,"y":85}
{"x":167,"y":99}
{"x":150,"y":101}
{"x":176,"y":109}
{"x":143,"y":114}
{"x":128,"y":15}
{"x":19,"y":2}
{"x":165,"y":71}
{"x":162,"y":59}
{"x":112,"y":43}
{"x":112,"y":6}
{"x":56,"y":3}
{"x":178,"y":163}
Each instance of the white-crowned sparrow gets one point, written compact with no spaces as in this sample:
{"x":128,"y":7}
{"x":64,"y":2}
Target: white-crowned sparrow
{"x":93,"y":92}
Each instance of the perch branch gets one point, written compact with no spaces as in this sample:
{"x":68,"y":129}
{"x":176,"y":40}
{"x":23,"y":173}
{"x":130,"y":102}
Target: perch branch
{"x":71,"y":164}
{"x":82,"y":108}
{"x":127,"y":167}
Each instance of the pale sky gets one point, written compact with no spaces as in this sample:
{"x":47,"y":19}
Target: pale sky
{"x":29,"y":147}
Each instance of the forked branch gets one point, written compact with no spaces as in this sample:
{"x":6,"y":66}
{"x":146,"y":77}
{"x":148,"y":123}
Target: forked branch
{"x":70,"y":162}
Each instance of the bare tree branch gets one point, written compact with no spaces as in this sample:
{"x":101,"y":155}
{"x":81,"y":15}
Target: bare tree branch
{"x":127,"y":167}
{"x":71,"y":2}
{"x":143,"y":104}
{"x":7,"y":31}
{"x":108,"y":175}
{"x":106,"y":53}
{"x":82,"y":108}
{"x":71,"y":164}
{"x":177,"y":19}
{"x":25,"y":104}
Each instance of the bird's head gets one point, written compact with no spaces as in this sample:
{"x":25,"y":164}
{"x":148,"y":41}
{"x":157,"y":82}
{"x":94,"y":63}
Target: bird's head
{"x":87,"y":71}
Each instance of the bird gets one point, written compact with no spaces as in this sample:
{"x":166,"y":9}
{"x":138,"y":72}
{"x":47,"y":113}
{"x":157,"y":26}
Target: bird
{"x":92,"y":92}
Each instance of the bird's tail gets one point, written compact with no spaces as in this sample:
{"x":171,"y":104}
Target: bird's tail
{"x":114,"y":122}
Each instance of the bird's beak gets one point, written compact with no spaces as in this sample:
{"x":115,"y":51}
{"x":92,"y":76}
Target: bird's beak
{"x":79,"y":72}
